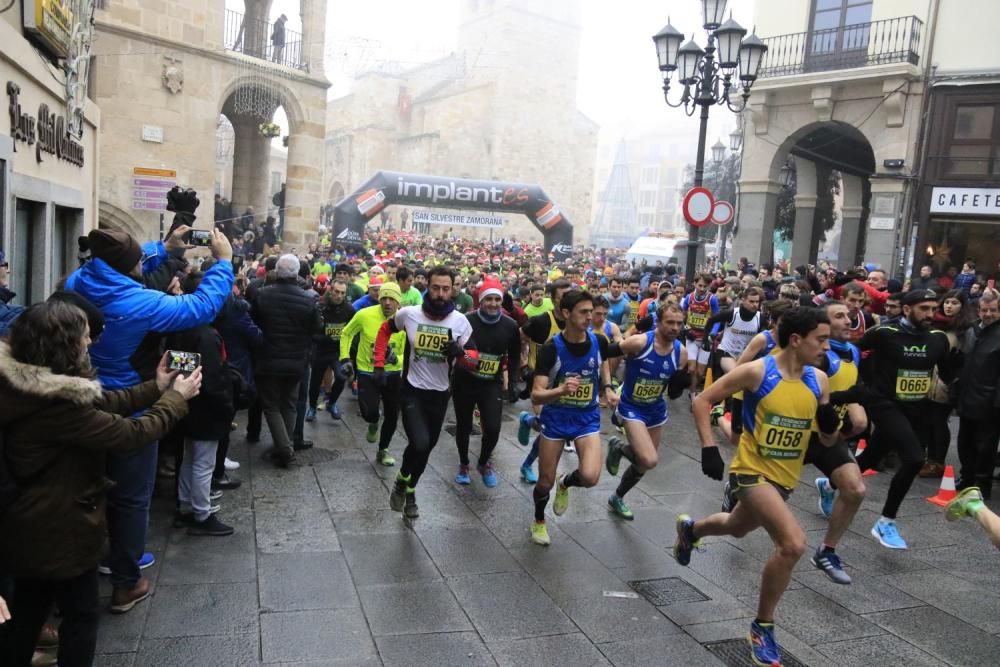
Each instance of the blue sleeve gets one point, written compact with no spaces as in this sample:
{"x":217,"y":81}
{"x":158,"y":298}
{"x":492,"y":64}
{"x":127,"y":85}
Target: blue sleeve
{"x":714,"y":303}
{"x":356,"y":304}
{"x":684,"y":303}
{"x":176,"y":313}
{"x":155,"y":255}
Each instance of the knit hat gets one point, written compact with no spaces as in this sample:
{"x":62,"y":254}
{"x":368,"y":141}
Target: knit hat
{"x":913,"y":297}
{"x":118,"y":249}
{"x":390,"y":290}
{"x":375,"y":280}
{"x":491,"y":287}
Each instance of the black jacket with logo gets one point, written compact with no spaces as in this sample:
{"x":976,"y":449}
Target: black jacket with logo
{"x":903,"y":360}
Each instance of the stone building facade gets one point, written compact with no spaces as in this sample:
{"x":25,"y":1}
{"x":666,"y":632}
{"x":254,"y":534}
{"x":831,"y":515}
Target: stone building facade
{"x":167,"y":70}
{"x":502,"y":107}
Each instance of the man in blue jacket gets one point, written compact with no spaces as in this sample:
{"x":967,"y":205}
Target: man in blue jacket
{"x":112,"y":281}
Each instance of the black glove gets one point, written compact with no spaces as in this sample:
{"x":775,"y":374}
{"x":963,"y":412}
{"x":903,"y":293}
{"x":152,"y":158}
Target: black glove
{"x":857,"y":394}
{"x":680,"y":381}
{"x":827,"y":418}
{"x":378,"y":376}
{"x":452,"y":349}
{"x":512,"y":394}
{"x":706,"y":343}
{"x":346,"y":368}
{"x":711,"y":462}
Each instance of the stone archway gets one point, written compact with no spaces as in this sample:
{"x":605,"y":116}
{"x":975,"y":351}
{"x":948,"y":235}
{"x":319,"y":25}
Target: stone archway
{"x":110,"y":216}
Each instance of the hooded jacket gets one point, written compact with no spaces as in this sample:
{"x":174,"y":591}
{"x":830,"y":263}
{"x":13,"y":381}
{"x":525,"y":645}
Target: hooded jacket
{"x":57,"y":431}
{"x":131,"y":311}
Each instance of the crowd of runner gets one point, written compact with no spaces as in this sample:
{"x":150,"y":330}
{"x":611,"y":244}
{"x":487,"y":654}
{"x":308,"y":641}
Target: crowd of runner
{"x":791,"y":365}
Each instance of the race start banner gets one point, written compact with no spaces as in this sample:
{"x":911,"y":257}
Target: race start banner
{"x":458,"y":219}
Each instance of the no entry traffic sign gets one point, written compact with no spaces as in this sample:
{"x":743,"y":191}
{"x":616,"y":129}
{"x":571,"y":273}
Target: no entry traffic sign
{"x":698,"y":206}
{"x":722,"y":212}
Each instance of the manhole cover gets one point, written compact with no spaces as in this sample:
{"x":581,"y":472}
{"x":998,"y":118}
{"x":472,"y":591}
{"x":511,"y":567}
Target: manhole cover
{"x":317,"y":455}
{"x":669,"y":590}
{"x":736,"y":653}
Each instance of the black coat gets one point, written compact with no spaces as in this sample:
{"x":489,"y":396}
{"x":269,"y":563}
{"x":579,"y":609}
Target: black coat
{"x":978,"y":397}
{"x":211,"y":411}
{"x":289,"y":318}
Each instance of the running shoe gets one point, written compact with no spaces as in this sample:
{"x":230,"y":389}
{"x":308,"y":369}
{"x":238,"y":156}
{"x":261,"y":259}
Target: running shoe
{"x":619,"y":507}
{"x":311,"y":414}
{"x":384,"y":458}
{"x":685,"y":539}
{"x":372,"y":435}
{"x":617,"y":421}
{"x":887,"y":534}
{"x":614,"y":457}
{"x":410,"y":510}
{"x":561,"y":503}
{"x":463,"y":475}
{"x":728,"y":498}
{"x":540,"y":534}
{"x":966,"y":503}
{"x":397,"y":497}
{"x":828,"y":561}
{"x":333,"y":409}
{"x":764,"y":650}
{"x":716,"y":414}
{"x":215,"y":494}
{"x":569,"y":447}
{"x":145,"y":560}
{"x":232,"y":465}
{"x":827,"y":494}
{"x":489,"y":477}
{"x":528,"y":474}
{"x":321,"y":404}
{"x":524,"y":427}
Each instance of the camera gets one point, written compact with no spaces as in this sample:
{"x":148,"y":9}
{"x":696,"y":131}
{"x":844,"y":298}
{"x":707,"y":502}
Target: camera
{"x":200,"y":237}
{"x":185,"y":362}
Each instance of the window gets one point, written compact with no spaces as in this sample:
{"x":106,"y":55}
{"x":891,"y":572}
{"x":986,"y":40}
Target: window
{"x":26,"y":266}
{"x":647,"y":221}
{"x":973,"y":142}
{"x":839,"y":26}
{"x":66,"y":228}
{"x":650,"y":175}
{"x":647,"y":199}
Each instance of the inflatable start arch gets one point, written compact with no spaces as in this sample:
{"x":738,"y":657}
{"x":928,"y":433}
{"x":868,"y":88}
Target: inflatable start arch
{"x":389,"y":187}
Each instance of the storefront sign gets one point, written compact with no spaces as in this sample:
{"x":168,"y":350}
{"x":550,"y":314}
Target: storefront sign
{"x":50,"y":22}
{"x":48,"y":132}
{"x":458,"y":219}
{"x":966,"y":201}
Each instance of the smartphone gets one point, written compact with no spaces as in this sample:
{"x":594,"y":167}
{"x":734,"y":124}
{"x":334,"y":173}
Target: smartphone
{"x":200,"y":237}
{"x":185,"y":362}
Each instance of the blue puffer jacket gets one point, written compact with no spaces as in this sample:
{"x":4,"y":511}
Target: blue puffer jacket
{"x":131,"y":311}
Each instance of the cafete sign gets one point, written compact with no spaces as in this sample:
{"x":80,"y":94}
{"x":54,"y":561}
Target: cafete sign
{"x":47,"y":132}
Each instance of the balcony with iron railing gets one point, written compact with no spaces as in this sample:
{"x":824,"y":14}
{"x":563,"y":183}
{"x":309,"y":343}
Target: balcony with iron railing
{"x":254,"y":37}
{"x":895,"y":40}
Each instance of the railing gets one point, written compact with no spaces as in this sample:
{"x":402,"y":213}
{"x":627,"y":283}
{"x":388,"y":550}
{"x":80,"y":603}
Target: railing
{"x":253,"y":37}
{"x":847,"y":47}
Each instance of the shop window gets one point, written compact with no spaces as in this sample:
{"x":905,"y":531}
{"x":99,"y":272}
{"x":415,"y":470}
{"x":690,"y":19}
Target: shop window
{"x":27,"y":264}
{"x":66,"y":228}
{"x":974,"y":141}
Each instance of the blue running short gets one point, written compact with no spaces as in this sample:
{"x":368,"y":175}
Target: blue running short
{"x":570,"y":424}
{"x":651,"y":415}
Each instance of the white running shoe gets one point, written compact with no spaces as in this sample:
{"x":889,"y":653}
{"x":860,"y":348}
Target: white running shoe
{"x":231,"y":464}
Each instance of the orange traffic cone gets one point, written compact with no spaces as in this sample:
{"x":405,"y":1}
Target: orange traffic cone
{"x":947,"y":491}
{"x":862,"y":444}
{"x":708,"y":377}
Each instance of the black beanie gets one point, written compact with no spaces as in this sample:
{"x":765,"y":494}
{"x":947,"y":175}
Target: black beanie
{"x":94,"y":316}
{"x":118,"y":249}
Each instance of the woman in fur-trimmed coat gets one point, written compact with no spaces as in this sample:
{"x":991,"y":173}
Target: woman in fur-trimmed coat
{"x":57,"y":426}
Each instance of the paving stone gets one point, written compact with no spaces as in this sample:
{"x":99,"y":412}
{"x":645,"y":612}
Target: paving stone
{"x":721,"y":561}
{"x":655,"y":651}
{"x":114,"y":659}
{"x":615,"y":544}
{"x":808,"y":614}
{"x":866,"y":594}
{"x":567,"y":571}
{"x":368,"y":521}
{"x":236,"y":650}
{"x":508,"y":606}
{"x":976,"y":564}
{"x":351,"y":487}
{"x":412,"y":608}
{"x":467,"y":551}
{"x":209,"y":560}
{"x":879,"y":650}
{"x":294,"y":636}
{"x":717,"y":631}
{"x":942,"y":635}
{"x":608,"y":619}
{"x":297,"y":581}
{"x":861,"y":548}
{"x":567,"y":649}
{"x":973,"y":603}
{"x":272,"y":482}
{"x":203,"y":609}
{"x":293,"y":526}
{"x":452,"y":649}
{"x":121,"y":633}
{"x":388,"y":558}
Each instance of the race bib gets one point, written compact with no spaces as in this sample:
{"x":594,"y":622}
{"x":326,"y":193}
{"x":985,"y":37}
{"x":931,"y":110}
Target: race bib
{"x":488,"y":366}
{"x":429,"y":341}
{"x":696,"y":320}
{"x":633,"y":313}
{"x":781,"y":437}
{"x":912,"y":385}
{"x":646,"y":391}
{"x":333,"y":331}
{"x":582,"y":397}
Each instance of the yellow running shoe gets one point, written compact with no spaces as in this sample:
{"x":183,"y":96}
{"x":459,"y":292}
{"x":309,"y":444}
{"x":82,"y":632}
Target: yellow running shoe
{"x":561,"y":503}
{"x":540,"y":534}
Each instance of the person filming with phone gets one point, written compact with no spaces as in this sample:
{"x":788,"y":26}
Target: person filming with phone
{"x":58,"y":427}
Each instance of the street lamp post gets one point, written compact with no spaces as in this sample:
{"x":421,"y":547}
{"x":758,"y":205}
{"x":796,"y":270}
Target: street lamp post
{"x":707,"y":77}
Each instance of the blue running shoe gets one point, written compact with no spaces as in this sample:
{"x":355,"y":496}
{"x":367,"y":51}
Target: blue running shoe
{"x":685,"y":539}
{"x":887,"y":534}
{"x":489,"y":477}
{"x":764,"y":650}
{"x":146,"y":560}
{"x":828,"y":561}
{"x":524,"y":427}
{"x":528,"y":474}
{"x":310,"y":414}
{"x":463,"y":475}
{"x":333,"y":409}
{"x":827,"y":494}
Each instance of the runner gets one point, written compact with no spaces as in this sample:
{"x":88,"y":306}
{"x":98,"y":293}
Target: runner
{"x":365,"y":325}
{"x":654,"y":361}
{"x":572,"y":373}
{"x":617,"y":301}
{"x":336,"y":313}
{"x":784,"y":395}
{"x":698,"y":307}
{"x":634,"y":300}
{"x":602,"y":326}
{"x":740,"y":325}
{"x":437,"y":336}
{"x":498,"y":344}
{"x":903,"y":358}
{"x":853,"y":296}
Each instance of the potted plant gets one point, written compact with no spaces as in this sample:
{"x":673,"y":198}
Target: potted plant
{"x":270,"y":130}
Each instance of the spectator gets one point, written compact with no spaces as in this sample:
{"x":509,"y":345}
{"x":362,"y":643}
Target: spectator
{"x":278,"y":38}
{"x":111,"y":282}
{"x":53,"y":534}
{"x":288,"y":318}
{"x":979,"y":402}
{"x":925,"y":280}
{"x":967,"y":278}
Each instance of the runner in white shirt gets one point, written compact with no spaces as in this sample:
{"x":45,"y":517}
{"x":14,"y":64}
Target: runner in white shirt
{"x":437,"y":335}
